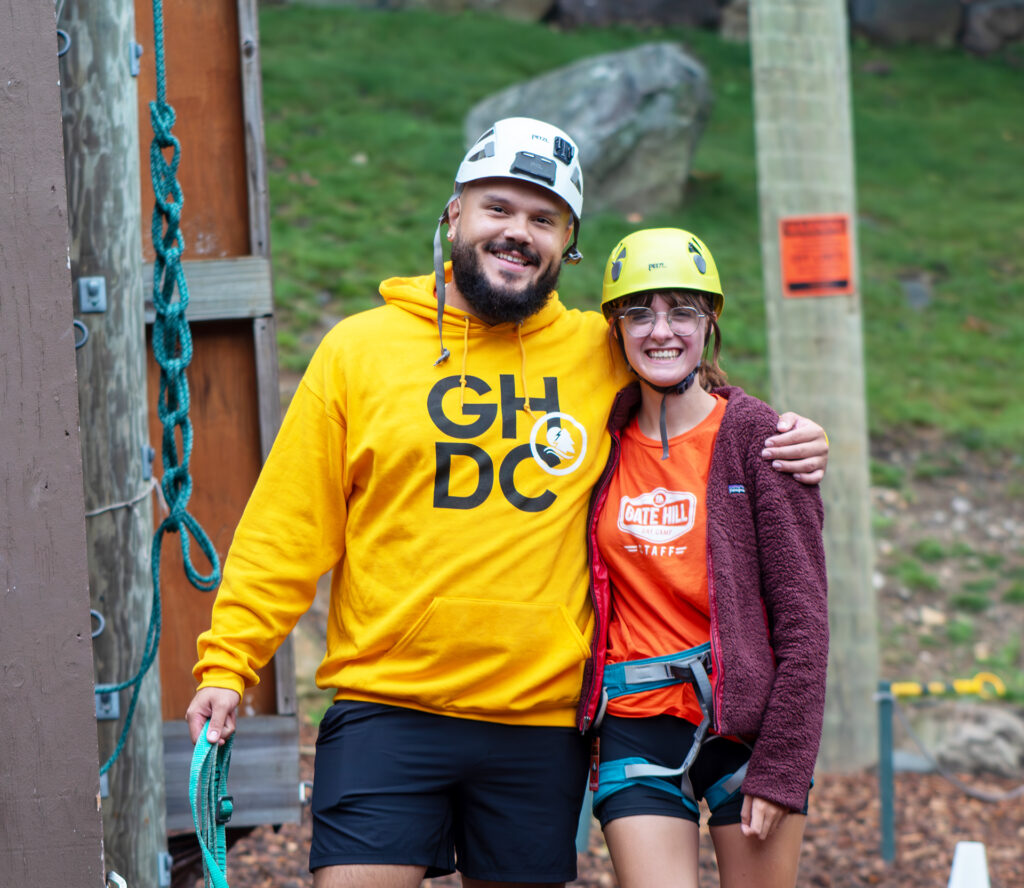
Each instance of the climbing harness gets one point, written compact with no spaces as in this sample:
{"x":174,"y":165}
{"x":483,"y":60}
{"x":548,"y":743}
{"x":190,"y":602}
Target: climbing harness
{"x":638,"y":676}
{"x":211,"y":805}
{"x":172,"y":348}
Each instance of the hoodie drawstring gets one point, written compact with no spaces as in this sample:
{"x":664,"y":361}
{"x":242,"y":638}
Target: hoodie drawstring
{"x":465,"y":360}
{"x":439,"y":285}
{"x":522,"y":355}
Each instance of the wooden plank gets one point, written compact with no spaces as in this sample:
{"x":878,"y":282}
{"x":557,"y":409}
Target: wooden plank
{"x":255,"y":146}
{"x":226,"y":461}
{"x":263,"y":778}
{"x":218,"y":289}
{"x":52,"y":831}
{"x":202,"y":61}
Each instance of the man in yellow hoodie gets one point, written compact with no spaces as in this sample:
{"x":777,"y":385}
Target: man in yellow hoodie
{"x":448,"y":497}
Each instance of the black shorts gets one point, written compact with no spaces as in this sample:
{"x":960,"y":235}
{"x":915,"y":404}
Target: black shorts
{"x":399,"y":786}
{"x":665,"y":740}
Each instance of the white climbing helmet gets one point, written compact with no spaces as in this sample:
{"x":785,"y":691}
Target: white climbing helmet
{"x":531,"y":150}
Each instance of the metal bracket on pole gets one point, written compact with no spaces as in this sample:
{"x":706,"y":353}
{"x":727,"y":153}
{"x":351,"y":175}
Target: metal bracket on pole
{"x":163,"y":869}
{"x":134,"y":54}
{"x":108,"y":706}
{"x":148,"y":455}
{"x":104,"y":786}
{"x":92,"y":295}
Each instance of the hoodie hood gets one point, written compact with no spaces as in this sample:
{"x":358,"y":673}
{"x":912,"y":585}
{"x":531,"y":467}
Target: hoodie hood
{"x":416,"y":295}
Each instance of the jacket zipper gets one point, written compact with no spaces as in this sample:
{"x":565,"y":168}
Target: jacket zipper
{"x":716,"y":645}
{"x":587,"y":695}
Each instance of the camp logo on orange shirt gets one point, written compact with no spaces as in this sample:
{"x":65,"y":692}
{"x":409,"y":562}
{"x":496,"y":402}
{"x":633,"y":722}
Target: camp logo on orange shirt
{"x":657,"y":517}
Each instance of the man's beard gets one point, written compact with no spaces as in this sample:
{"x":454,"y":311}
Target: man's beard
{"x":497,"y":304}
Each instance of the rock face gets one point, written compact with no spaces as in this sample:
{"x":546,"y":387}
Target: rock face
{"x":907,"y":21}
{"x":984,"y":739}
{"x":968,"y":737}
{"x":637,"y":117}
{"x":601,"y":13}
{"x":517,"y":10}
{"x":991,"y":24}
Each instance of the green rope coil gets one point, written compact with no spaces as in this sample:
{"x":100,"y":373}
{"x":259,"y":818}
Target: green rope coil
{"x":172,"y":349}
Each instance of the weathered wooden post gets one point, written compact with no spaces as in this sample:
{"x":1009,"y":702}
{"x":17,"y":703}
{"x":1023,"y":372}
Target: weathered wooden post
{"x":102,"y":159}
{"x":52,"y":832}
{"x":809,"y":251}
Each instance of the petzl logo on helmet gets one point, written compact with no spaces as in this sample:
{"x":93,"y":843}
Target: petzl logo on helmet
{"x":566,"y":445}
{"x":659,"y":516}
{"x":698,"y":257}
{"x":617,"y":264}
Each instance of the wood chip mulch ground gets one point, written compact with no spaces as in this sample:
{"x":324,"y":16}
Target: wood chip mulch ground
{"x":841,"y":847}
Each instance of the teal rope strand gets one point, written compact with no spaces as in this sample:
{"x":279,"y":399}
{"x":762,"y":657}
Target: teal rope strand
{"x":172,"y":349}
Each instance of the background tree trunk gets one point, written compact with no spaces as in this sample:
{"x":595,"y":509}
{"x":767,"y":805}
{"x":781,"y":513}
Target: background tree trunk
{"x":805,"y":168}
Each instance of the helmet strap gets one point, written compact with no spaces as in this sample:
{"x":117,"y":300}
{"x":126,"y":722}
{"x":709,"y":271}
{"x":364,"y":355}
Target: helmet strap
{"x":572,"y":255}
{"x":667,"y":390}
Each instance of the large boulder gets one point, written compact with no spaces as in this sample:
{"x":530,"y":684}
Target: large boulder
{"x":991,"y":24}
{"x":968,"y":737}
{"x":636,"y":115}
{"x":601,"y":13}
{"x":934,"y":22}
{"x":519,"y":10}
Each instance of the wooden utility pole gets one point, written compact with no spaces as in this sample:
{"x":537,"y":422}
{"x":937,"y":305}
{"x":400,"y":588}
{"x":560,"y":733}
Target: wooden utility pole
{"x":808,"y":237}
{"x":102,"y":158}
{"x":52,"y":832}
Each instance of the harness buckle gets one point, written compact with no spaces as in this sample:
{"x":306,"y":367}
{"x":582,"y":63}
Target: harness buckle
{"x":225,"y":808}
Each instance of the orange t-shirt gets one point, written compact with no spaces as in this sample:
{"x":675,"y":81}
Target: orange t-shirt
{"x":652,"y":535}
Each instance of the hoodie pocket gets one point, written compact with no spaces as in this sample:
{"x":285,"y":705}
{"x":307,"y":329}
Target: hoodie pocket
{"x":487,"y":657}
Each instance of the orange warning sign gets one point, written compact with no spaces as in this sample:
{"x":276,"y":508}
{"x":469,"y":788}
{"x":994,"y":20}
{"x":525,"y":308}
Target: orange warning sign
{"x":816,"y":255}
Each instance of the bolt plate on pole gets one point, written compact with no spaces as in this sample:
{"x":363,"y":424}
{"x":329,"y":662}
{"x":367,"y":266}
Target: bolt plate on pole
{"x":92,"y":295}
{"x":108,"y":707}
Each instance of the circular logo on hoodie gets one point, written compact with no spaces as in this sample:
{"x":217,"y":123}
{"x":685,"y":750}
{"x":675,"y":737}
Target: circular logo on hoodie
{"x":561,"y":448}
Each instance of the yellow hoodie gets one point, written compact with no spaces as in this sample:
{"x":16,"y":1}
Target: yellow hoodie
{"x":450,"y":503}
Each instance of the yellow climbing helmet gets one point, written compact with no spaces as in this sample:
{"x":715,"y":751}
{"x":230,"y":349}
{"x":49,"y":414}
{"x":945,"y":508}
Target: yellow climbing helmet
{"x":660,"y":259}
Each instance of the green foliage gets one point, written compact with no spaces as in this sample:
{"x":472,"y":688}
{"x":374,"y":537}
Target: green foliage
{"x":938,"y":468}
{"x":1015,"y":594}
{"x":972,"y":602}
{"x":885,"y":474}
{"x":912,"y":575}
{"x":993,"y":560}
{"x":960,"y":632}
{"x":881,"y":523}
{"x":364,"y":111}
{"x":979,"y":586}
{"x":929,"y":550}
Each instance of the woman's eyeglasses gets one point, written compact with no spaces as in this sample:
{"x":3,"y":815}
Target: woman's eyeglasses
{"x":640,"y":320}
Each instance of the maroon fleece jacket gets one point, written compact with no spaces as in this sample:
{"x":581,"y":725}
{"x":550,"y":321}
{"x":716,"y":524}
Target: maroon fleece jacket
{"x":767,"y":595}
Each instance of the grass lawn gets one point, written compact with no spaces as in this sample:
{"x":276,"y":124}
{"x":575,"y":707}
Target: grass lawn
{"x":364,"y":115}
